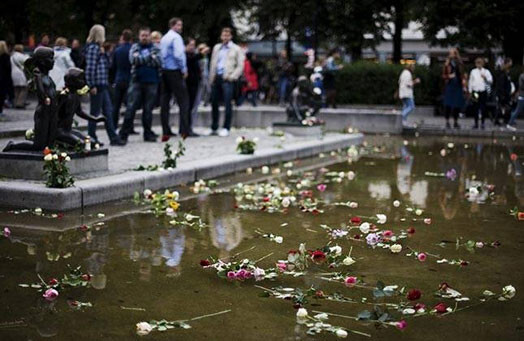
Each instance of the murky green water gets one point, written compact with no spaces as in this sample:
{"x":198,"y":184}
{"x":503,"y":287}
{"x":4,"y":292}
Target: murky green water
{"x":143,"y":268}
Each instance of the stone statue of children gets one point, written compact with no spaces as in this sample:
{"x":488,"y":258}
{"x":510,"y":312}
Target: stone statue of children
{"x":45,"y":117}
{"x":69,"y":105}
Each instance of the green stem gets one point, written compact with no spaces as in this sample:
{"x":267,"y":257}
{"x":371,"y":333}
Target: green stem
{"x":209,"y":315}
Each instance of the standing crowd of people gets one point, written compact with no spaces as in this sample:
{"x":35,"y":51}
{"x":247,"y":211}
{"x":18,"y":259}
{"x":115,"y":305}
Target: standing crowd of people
{"x":159,"y":69}
{"x":470,"y":94}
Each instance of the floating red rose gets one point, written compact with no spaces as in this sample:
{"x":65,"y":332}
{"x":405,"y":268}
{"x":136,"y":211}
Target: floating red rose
{"x":53,"y":281}
{"x":411,"y":230}
{"x":414,"y":294}
{"x":205,"y":262}
{"x":318,"y":256}
{"x":440,"y":308}
{"x":356,"y":220}
{"x":86,"y":277}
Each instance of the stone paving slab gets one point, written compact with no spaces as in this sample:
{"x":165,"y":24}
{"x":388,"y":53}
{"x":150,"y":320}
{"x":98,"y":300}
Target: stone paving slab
{"x":210,"y":157}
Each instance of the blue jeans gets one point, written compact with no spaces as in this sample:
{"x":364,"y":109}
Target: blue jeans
{"x":408,"y":105}
{"x":221,"y":90}
{"x":101,"y":102}
{"x":517,"y":111}
{"x":140,"y":95}
{"x":283,"y":83}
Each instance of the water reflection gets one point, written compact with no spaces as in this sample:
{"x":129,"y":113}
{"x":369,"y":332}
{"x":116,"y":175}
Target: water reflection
{"x":142,"y":251}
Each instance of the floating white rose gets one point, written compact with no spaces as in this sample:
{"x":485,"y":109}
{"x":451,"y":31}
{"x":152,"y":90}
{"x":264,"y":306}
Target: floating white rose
{"x":278,"y":239}
{"x":143,"y":328}
{"x":341,"y":333}
{"x":336,"y":249}
{"x":353,"y":204}
{"x":348,"y":261}
{"x":381,"y":218}
{"x":509,"y":292}
{"x":364,"y":228}
{"x":351,"y":175}
{"x":396,"y":203}
{"x":302,"y":313}
{"x":286,"y":202}
{"x":395,"y":248}
{"x":265,"y":170}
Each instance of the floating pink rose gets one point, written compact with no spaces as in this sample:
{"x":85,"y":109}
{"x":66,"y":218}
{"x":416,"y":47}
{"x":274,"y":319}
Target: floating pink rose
{"x":231,"y":275}
{"x":422,"y":256}
{"x":387,"y":234}
{"x":372,"y":239}
{"x":321,"y":187}
{"x":401,"y":324}
{"x":350,"y":280}
{"x":427,"y":221}
{"x":50,"y":294}
{"x":282,"y":266}
{"x":7,"y":232}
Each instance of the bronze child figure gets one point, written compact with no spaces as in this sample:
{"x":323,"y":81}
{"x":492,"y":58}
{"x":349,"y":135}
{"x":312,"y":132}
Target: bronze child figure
{"x":45,"y":117}
{"x":69,"y":105}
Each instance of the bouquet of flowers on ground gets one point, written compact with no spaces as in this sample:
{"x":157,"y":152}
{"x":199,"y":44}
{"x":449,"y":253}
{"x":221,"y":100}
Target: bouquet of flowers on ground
{"x":245,"y":145}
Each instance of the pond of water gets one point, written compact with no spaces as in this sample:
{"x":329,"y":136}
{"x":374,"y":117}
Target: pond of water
{"x":446,"y":201}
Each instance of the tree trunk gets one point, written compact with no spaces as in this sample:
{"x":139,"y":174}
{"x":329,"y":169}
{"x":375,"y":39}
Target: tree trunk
{"x":397,"y":35}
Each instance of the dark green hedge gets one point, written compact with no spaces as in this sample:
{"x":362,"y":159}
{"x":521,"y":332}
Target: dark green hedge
{"x":373,"y":83}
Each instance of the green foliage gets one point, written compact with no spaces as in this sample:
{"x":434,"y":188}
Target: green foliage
{"x":373,"y":83}
{"x":170,"y":159}
{"x":246,"y":146}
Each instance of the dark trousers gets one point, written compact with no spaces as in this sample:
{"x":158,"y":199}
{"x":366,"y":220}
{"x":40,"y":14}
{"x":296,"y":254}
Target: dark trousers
{"x":175,"y":85}
{"x":192,"y":90}
{"x":119,"y":97}
{"x":101,"y":102}
{"x":479,"y":106}
{"x":221,"y":90}
{"x":140,"y":95}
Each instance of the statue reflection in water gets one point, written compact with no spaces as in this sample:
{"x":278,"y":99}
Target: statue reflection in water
{"x":225,"y":228}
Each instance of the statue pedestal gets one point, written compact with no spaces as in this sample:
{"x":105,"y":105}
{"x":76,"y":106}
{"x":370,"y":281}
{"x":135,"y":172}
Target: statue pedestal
{"x":298,"y":129}
{"x":30,"y":165}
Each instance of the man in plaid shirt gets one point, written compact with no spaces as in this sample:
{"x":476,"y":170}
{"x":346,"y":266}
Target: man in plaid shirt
{"x":145,"y":62}
{"x":97,"y":78}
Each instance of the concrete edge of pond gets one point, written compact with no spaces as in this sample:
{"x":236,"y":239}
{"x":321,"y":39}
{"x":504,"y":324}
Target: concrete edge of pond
{"x":119,"y":186}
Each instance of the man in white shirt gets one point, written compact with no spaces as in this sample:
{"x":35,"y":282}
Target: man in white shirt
{"x":480,"y":80}
{"x":405,"y":91}
{"x":227,"y":65}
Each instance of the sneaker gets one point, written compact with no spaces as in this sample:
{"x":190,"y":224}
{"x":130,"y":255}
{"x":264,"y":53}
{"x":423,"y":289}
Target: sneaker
{"x":510,"y":127}
{"x":223,"y":132}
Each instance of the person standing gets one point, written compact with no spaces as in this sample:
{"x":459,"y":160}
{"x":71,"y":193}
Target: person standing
{"x":156,"y":36}
{"x":44,"y":40}
{"x":6,"y":82}
{"x":520,"y":104}
{"x":174,"y":72}
{"x":204,"y":90}
{"x":284,"y":70}
{"x":479,"y":81}
{"x":76,"y":54}
{"x":405,"y":91}
{"x":193,"y":80}
{"x":330,"y":70}
{"x":453,"y":75}
{"x":227,"y":65}
{"x":145,"y":75}
{"x":63,"y":62}
{"x":18,"y":59}
{"x":97,"y":78}
{"x":122,"y":68}
{"x":503,"y":92}
{"x":250,"y":89}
